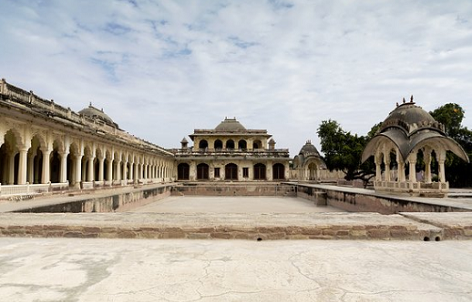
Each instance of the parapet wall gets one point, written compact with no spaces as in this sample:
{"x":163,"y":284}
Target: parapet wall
{"x":359,"y":200}
{"x":254,"y":189}
{"x":113,"y":202}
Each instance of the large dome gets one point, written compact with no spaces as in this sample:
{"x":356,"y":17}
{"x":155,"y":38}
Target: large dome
{"x":410,"y":117}
{"x":230,"y":125}
{"x":94,"y":113}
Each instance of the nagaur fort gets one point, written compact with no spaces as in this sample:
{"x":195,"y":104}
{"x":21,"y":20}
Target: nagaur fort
{"x":55,"y":160}
{"x":46,"y":147}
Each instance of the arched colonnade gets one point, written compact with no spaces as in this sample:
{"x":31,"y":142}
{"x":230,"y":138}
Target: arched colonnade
{"x":34,"y":155}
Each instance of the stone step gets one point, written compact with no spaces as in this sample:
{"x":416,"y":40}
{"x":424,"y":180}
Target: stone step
{"x":368,"y":226}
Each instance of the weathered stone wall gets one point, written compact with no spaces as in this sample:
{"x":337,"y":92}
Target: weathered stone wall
{"x":360,"y":202}
{"x":118,"y":202}
{"x":275,"y":189}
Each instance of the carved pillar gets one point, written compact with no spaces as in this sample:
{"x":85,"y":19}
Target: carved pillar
{"x":90,"y":169}
{"x":22,"y":166}
{"x":109,"y":169}
{"x":30,"y":170}
{"x":118,"y":170}
{"x":427,"y":164}
{"x":78,"y":168}
{"x":101,"y":164}
{"x":387,"y":167}
{"x":131,"y":172}
{"x":378,"y":168}
{"x":63,"y":171}
{"x":45,"y":177}
{"x":11,"y":174}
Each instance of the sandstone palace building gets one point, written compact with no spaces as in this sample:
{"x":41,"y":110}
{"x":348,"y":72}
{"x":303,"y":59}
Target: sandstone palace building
{"x":46,"y":147}
{"x":231,"y":152}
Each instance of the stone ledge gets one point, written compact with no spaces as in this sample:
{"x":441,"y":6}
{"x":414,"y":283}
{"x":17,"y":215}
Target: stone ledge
{"x":367,"y":226}
{"x":455,"y":225}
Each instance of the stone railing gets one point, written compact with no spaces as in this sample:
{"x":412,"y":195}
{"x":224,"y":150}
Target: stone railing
{"x":8,"y":190}
{"x":228,"y":151}
{"x":417,"y":188}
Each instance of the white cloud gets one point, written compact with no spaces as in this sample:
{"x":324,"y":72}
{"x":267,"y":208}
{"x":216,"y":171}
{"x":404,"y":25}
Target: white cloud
{"x":162,"y":68}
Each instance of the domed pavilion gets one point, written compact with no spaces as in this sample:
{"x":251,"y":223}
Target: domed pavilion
{"x":308,"y":163}
{"x":409,"y":152}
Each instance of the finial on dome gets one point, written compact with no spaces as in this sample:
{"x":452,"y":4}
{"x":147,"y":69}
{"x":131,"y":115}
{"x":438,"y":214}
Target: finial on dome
{"x":411,"y":99}
{"x":404,"y":101}
{"x":90,"y":105}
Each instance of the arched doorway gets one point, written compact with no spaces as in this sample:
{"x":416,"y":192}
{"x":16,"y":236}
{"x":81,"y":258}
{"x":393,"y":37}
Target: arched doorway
{"x":183,"y":171}
{"x":230,"y":144}
{"x":231,"y":172}
{"x":218,"y":144}
{"x":203,"y":144}
{"x":202,"y":171}
{"x":278,"y":172}
{"x":242,"y":145}
{"x":257,"y":144}
{"x":259,"y":171}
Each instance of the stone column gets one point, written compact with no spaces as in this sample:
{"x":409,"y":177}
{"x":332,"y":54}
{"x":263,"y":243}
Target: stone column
{"x":22,"y":166}
{"x":78,"y":169}
{"x":11,"y":174}
{"x":63,"y":177}
{"x":30,"y":168}
{"x":118,"y":170}
{"x":441,"y":170}
{"x":131,"y":171}
{"x":101,"y":163}
{"x":427,"y":164}
{"x":90,"y":169}
{"x":145,"y":171}
{"x":45,"y":177}
{"x":387,"y":167}
{"x":412,"y":177}
{"x":110,"y":170}
{"x":378,"y":168}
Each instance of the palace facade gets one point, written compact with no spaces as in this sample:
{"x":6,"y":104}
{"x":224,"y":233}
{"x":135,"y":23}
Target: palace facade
{"x":230,"y":152}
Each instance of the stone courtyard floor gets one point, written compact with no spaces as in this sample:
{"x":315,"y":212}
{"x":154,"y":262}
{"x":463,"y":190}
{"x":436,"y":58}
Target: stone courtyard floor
{"x":233,"y":204}
{"x":63,"y":269}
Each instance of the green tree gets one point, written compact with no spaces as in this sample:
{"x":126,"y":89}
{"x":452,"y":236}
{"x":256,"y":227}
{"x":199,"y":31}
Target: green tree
{"x":343,"y":151}
{"x":457,"y":171}
{"x":451,"y":116}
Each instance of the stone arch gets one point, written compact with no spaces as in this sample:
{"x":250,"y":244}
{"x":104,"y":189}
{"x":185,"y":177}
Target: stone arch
{"x":257,"y":144}
{"x":242,"y":144}
{"x":203,"y":171}
{"x":218,"y":144}
{"x":231,"y":171}
{"x":203,"y":144}
{"x":230,"y":144}
{"x":35,"y":160}
{"x":8,"y":160}
{"x":260,"y":171}
{"x":183,"y":171}
{"x":278,"y":171}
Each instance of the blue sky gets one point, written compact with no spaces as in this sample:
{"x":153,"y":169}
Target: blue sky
{"x":162,"y":68}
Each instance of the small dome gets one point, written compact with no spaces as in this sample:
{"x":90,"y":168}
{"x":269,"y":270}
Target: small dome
{"x":94,"y":113}
{"x":309,"y":149}
{"x":230,"y":125}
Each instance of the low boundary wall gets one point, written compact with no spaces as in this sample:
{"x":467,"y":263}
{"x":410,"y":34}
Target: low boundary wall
{"x":360,"y":200}
{"x":119,"y":201}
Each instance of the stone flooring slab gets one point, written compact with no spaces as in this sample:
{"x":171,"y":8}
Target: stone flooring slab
{"x":233,"y":204}
{"x":455,"y":225}
{"x":213,"y":270}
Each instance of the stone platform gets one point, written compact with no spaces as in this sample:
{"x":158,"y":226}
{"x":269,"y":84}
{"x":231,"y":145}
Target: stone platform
{"x":232,"y":226}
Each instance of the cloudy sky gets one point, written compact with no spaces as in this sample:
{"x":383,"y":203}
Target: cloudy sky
{"x":162,"y":68}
